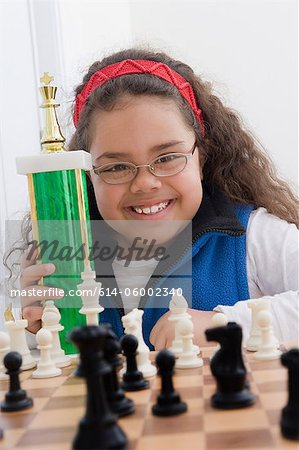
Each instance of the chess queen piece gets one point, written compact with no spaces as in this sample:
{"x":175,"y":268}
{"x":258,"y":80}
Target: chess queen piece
{"x":60,"y":216}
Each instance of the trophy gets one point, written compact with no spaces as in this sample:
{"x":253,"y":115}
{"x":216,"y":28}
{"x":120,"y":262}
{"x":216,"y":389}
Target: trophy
{"x":60,"y":216}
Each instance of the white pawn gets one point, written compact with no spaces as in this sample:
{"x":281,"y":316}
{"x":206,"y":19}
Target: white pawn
{"x":255,"y":333}
{"x":188,"y":358}
{"x":218,"y":320}
{"x":4,"y":348}
{"x":45,"y":367}
{"x":268,"y":347}
{"x":51,"y":318}
{"x":178,"y":306}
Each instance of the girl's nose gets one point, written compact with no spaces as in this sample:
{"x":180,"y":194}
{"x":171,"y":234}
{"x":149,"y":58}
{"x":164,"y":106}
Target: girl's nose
{"x":145,"y":181}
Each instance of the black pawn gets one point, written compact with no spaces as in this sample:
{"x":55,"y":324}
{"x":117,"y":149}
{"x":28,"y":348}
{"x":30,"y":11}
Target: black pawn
{"x":228,"y":368}
{"x":98,"y":429}
{"x":168,"y":402}
{"x":16,"y":398}
{"x":289,"y":422}
{"x":133,"y":379}
{"x":118,"y":402}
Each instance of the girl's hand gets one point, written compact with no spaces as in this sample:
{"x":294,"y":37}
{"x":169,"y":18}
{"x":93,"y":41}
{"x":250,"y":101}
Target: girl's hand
{"x":162,"y":333}
{"x":31,"y":273}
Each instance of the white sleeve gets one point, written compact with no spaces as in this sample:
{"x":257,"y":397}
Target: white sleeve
{"x":272,"y":271}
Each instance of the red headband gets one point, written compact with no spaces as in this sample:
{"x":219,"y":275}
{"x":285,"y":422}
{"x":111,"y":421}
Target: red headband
{"x":130,"y":66}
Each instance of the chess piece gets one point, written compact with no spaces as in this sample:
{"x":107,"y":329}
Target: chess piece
{"x":178,"y":307}
{"x":187,"y":358}
{"x":118,"y":402}
{"x":255,"y":333}
{"x":16,"y":398}
{"x":218,"y":320}
{"x":46,"y":368}
{"x":90,"y":290}
{"x":4,"y":348}
{"x":98,"y":428}
{"x":228,"y":368}
{"x":289,"y":422}
{"x":132,"y":378}
{"x":132,"y":323}
{"x":50,"y":319}
{"x":18,"y":343}
{"x":168,"y":401}
{"x":268,"y":346}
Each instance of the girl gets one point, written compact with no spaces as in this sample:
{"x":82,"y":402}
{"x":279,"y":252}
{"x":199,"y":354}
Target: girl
{"x":164,"y":147}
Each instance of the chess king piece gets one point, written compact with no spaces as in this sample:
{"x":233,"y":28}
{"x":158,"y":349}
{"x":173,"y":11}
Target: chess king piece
{"x":16,"y":398}
{"x":98,"y":429}
{"x":60,"y":216}
{"x":178,"y":307}
{"x":90,"y":291}
{"x":289,"y":422}
{"x":50,"y":319}
{"x":132,"y":323}
{"x":168,"y":401}
{"x":228,"y":368}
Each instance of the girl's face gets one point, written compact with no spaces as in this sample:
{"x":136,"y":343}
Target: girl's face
{"x":139,"y":130}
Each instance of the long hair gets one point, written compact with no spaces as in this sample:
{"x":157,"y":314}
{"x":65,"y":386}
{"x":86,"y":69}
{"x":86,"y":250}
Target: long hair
{"x":233,"y":159}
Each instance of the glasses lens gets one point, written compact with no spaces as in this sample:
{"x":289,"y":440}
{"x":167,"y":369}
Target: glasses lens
{"x":116,"y":173}
{"x":169,"y":164}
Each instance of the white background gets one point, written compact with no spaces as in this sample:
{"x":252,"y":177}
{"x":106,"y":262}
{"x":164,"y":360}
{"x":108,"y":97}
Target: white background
{"x":247,"y":48}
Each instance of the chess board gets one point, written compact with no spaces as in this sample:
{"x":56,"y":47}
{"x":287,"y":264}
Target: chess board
{"x":59,"y":404}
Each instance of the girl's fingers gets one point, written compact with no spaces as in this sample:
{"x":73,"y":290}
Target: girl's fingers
{"x":32,"y":313}
{"x":40,"y":293}
{"x":33,"y":273}
{"x":29,"y":257}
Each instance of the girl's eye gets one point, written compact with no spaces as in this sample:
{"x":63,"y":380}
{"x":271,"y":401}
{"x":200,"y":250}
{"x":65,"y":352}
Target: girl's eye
{"x":165,"y":159}
{"x":116,"y":168}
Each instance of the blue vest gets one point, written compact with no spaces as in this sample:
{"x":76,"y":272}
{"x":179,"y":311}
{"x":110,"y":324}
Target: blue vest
{"x":218,"y":257}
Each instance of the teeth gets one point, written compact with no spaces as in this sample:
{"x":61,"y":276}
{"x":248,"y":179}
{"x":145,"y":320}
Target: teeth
{"x":151,"y":210}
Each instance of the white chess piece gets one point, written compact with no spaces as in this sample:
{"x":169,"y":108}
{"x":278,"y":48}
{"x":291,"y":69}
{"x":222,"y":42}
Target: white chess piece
{"x":46,"y":368}
{"x":255,"y":306}
{"x":218,"y":320}
{"x":18,"y":343}
{"x":90,"y":291}
{"x":268,"y":348}
{"x":51,"y":318}
{"x":188,"y":358}
{"x":132,"y":323}
{"x":178,"y":307}
{"x":4,"y":348}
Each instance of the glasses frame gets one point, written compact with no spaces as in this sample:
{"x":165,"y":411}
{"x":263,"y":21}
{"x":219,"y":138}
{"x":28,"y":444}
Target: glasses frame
{"x":149,"y":165}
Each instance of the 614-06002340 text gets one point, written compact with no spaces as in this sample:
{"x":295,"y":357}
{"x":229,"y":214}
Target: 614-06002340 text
{"x":103,"y":292}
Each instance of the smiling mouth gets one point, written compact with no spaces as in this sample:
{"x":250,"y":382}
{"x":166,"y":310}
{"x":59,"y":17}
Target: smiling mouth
{"x":151,"y":210}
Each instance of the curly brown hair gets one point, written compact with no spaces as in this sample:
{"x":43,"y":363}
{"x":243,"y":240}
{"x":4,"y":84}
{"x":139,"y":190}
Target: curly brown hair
{"x":233,"y":160}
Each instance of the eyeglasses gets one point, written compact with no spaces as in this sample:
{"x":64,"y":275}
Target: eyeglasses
{"x":163,"y":166}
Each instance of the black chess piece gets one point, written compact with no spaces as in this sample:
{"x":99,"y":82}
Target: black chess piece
{"x":16,"y":398}
{"x":98,"y":429}
{"x":289,"y":422}
{"x":228,"y":368}
{"x":168,"y":401}
{"x":118,"y":402}
{"x":133,"y":379}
